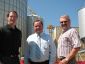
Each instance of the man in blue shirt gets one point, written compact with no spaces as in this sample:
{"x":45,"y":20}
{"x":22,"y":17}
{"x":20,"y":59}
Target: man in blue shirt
{"x":40,"y":46}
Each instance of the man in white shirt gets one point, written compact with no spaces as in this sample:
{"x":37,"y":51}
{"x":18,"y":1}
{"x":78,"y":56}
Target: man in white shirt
{"x":68,"y":42}
{"x":40,"y":47}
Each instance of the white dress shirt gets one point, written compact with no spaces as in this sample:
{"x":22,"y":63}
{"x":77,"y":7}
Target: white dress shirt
{"x":46,"y":47}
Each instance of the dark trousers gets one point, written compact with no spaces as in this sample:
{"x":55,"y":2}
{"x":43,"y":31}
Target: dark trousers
{"x":9,"y":60}
{"x":45,"y":62}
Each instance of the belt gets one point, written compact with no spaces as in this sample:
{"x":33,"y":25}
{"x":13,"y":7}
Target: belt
{"x":43,"y":62}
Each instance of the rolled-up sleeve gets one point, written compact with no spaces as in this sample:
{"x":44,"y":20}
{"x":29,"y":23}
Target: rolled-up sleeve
{"x":75,"y":39}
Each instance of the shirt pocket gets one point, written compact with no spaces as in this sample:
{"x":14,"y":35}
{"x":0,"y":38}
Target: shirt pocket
{"x":45,"y":46}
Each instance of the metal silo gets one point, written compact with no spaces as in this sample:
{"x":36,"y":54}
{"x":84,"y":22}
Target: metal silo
{"x":81,"y":17}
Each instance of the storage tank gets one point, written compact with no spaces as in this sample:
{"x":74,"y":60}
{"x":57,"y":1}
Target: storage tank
{"x":81,"y":18}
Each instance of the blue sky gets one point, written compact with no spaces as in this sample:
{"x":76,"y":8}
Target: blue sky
{"x":51,"y":10}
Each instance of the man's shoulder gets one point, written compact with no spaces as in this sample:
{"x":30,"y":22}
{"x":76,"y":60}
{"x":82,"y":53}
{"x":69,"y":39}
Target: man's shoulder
{"x":18,"y":29}
{"x":73,"y":30}
{"x":2,"y":28}
{"x":46,"y":34}
{"x":32,"y":35}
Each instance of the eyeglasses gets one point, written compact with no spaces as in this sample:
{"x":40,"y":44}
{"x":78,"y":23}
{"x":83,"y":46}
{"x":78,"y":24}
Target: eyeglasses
{"x":63,"y":22}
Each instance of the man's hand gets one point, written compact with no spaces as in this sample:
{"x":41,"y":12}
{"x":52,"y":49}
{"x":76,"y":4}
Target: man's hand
{"x":64,"y":61}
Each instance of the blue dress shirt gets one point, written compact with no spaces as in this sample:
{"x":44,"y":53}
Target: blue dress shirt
{"x":44,"y":45}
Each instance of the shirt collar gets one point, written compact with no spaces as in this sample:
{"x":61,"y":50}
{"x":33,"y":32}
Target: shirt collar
{"x":40,"y":34}
{"x":8,"y":26}
{"x":66,"y":30}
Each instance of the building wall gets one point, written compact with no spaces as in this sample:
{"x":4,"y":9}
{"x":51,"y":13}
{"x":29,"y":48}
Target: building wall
{"x":29,"y":25}
{"x":57,"y":32}
{"x":21,"y":7}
